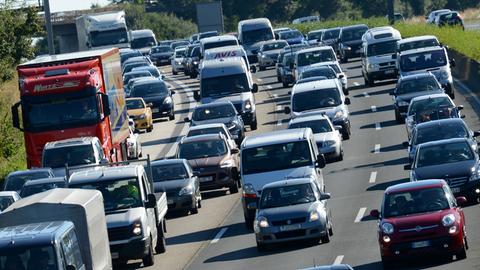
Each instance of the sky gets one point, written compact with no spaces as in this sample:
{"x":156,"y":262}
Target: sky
{"x":66,"y":5}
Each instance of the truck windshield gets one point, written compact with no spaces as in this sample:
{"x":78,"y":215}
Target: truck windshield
{"x":309,"y":58}
{"x":59,"y":113}
{"x":257,"y":35}
{"x":382,"y":48}
{"x":424,"y":60}
{"x":33,"y":257}
{"x":311,"y":100}
{"x":142,"y":42}
{"x":224,"y":85}
{"x":286,"y":196}
{"x":194,"y":150}
{"x":117,"y":194}
{"x":276,"y":157}
{"x":71,"y":155}
{"x":110,"y":37}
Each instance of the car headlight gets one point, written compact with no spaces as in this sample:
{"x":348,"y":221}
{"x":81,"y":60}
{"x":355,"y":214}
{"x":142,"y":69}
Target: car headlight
{"x":227,"y":164}
{"x":387,"y":228}
{"x":328,"y":143}
{"x":167,"y":100}
{"x":137,"y":228}
{"x":402,"y":103}
{"x":444,"y":76}
{"x":186,"y":190}
{"x":263,"y":56}
{"x":314,"y":216}
{"x":475,"y":174}
{"x":248,"y":105}
{"x":347,"y":48}
{"x":262,"y":222}
{"x":338,"y":114}
{"x":448,"y":220}
{"x":249,"y":191}
{"x":195,"y":62}
{"x":371,"y":66}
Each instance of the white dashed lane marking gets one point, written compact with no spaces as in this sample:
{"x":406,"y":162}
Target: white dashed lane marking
{"x":373,"y":177}
{"x":377,"y":148}
{"x":366,"y":94}
{"x":219,"y":235}
{"x":374,"y":108}
{"x":338,"y":260}
{"x":378,"y":126}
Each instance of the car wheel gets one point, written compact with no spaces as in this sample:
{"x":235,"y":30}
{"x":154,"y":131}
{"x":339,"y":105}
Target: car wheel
{"x":149,"y":259}
{"x":200,"y":203}
{"x":150,"y":129}
{"x":234,"y":188}
{"x":261,"y":68}
{"x":399,"y":117}
{"x":345,"y":59}
{"x":172,"y":116}
{"x":285,"y":85}
{"x":193,"y":75}
{"x":326,"y":238}
{"x":452,"y":95}
{"x":345,"y":92}
{"x":371,"y":81}
{"x":253,"y":125}
{"x":279,"y":79}
{"x":261,"y":247}
{"x":194,"y":210}
{"x":340,"y":157}
{"x":345,"y":134}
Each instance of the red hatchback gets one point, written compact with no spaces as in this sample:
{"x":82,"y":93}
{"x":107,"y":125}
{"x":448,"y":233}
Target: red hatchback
{"x":419,"y":218}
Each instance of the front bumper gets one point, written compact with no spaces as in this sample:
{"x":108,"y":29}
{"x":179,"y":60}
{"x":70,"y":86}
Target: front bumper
{"x":133,"y":249}
{"x":390,"y":73}
{"x":274,"y":234}
{"x":163,"y":110}
{"x":141,"y":123}
{"x":266,"y":62}
{"x":216,"y":178}
{"x":179,"y":203}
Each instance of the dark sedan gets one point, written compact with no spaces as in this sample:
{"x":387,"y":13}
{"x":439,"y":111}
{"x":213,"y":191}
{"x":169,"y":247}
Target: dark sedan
{"x":350,"y":41}
{"x":409,"y":87}
{"x":454,"y":160}
{"x":156,"y":92}
{"x":177,"y":179}
{"x":160,"y":55}
{"x":32,"y":187}
{"x":15,"y":180}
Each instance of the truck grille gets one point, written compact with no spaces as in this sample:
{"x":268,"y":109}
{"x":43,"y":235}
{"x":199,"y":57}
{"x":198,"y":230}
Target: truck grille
{"x":456,"y":182}
{"x":119,"y":233}
{"x":292,"y":221}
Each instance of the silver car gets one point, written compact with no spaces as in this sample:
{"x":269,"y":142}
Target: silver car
{"x":290,"y":210}
{"x":268,"y":53}
{"x":327,"y":136}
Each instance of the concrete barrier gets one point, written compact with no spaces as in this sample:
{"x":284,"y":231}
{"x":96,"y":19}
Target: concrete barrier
{"x":466,"y":70}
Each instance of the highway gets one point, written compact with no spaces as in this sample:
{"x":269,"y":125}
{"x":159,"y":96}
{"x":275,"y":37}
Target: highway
{"x":216,"y":238}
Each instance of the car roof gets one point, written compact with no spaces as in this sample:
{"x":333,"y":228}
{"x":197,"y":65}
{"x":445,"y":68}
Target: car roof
{"x":416,"y":38}
{"x":314,"y":49}
{"x":206,"y":126}
{"x":439,"y":95}
{"x":442,"y":142}
{"x":356,"y":26}
{"x":225,"y":63}
{"x":70,"y":142}
{"x":420,"y":50}
{"x":224,"y":48}
{"x":316,"y":31}
{"x":134,"y":71}
{"x":423,"y":184}
{"x":39,"y":233}
{"x":142,"y":33}
{"x":440,"y":122}
{"x":44,"y":181}
{"x":168,"y":161}
{"x":308,"y":118}
{"x":315,"y":85}
{"x":147,"y":80}
{"x":30,"y":171}
{"x":275,"y":137}
{"x":103,"y":173}
{"x":214,"y":104}
{"x":416,"y":76}
{"x":218,"y":38}
{"x":322,"y":64}
{"x":275,"y":40}
{"x":203,"y":138}
{"x":287,"y":182}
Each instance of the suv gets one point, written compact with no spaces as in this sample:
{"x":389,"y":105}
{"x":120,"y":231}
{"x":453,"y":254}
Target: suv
{"x":321,"y":97}
{"x":213,"y":159}
{"x":275,"y":156}
{"x":350,"y":41}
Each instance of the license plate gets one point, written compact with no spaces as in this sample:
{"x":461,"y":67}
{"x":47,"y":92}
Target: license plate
{"x":169,"y":201}
{"x":155,"y":110}
{"x":420,"y":244}
{"x":293,"y":227}
{"x":205,"y":179}
{"x":455,"y":190}
{"x":391,"y":71}
{"x":115,"y":255}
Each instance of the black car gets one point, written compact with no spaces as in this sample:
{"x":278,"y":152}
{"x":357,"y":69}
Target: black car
{"x":156,"y":92}
{"x":15,"y":180}
{"x":126,"y":54}
{"x":33,"y":187}
{"x":330,"y":38}
{"x":193,"y":59}
{"x":452,"y":18}
{"x":454,"y":160}
{"x":411,"y":86}
{"x":350,"y":41}
{"x":177,"y":179}
{"x":160,"y":55}
{"x":220,"y":112}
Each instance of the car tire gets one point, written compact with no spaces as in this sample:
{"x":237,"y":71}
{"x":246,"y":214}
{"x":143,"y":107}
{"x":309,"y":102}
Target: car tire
{"x":285,"y":85}
{"x":234,"y":187}
{"x":261,"y":247}
{"x":194,"y":210}
{"x":253,"y":125}
{"x":399,"y":118}
{"x":279,"y":79}
{"x":345,"y":59}
{"x":326,"y":238}
{"x":149,"y":259}
{"x":150,"y":129}
{"x":340,"y":157}
{"x":261,"y":68}
{"x":171,"y":116}
{"x":346,"y":134}
{"x":371,"y":81}
{"x":345,"y":92}
{"x":200,"y":203}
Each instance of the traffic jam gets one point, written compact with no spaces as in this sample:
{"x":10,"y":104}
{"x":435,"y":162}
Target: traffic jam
{"x":100,"y":193}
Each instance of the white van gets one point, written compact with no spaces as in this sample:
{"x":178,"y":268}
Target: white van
{"x":310,"y":56}
{"x":251,"y":34}
{"x":143,"y":40}
{"x":216,"y":42}
{"x":229,"y":79}
{"x":276,"y":156}
{"x":379,"y":54}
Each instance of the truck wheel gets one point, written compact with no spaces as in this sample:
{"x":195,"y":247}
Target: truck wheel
{"x":161,"y":245}
{"x":149,"y":259}
{"x":234,"y":188}
{"x":253,"y":125}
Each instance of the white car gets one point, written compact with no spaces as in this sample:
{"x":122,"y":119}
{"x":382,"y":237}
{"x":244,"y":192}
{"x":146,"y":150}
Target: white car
{"x":177,"y":59}
{"x":7,"y":198}
{"x":134,"y":145}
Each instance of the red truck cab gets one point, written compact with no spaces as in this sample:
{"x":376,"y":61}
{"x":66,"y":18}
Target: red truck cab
{"x":72,"y":95}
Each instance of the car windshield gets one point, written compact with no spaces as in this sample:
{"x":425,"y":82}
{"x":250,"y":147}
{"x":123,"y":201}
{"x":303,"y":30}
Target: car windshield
{"x":310,"y":58}
{"x":276,"y":157}
{"x":273,"y":46}
{"x":195,"y":52}
{"x":257,"y":35}
{"x":440,"y":132}
{"x":149,"y":89}
{"x":129,"y":76}
{"x":418,"y":44}
{"x":180,"y":53}
{"x":110,"y":37}
{"x":315,"y":36}
{"x":286,"y":196}
{"x":142,"y":42}
{"x":179,"y":44}
{"x":315,"y":72}
{"x":128,"y":67}
{"x":416,"y":85}
{"x":61,"y":112}
{"x":316,"y":99}
{"x":34,"y":256}
{"x":38,"y":188}
{"x":290,"y":34}
{"x":153,"y":71}
{"x":330,"y":34}
{"x":427,"y":104}
{"x":205,"y":131}
{"x":353,"y":34}
{"x":224,"y":85}
{"x":117,"y":194}
{"x":317,"y":126}
{"x":382,"y":48}
{"x":16,"y":182}
{"x":5,"y":202}
{"x":71,"y":155}
{"x":207,"y":34}
{"x":218,"y":44}
{"x":424,"y":60}
{"x":202,"y":149}
{"x":133,"y":104}
{"x":415,"y":202}
{"x":288,"y":59}
{"x":161,"y":49}
{"x":162,"y":173}
{"x":213,"y":112}
{"x":443,"y":154}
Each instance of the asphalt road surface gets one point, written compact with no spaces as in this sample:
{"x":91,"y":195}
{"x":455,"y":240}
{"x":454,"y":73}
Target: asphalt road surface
{"x":216,"y":238}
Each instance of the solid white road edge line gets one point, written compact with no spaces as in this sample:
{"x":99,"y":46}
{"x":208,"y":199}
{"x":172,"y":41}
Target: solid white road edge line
{"x":338,"y":260}
{"x":378,"y":126}
{"x":374,"y":108}
{"x":377,"y":149}
{"x":360,"y":214}
{"x":373,"y":177}
{"x":219,"y":235}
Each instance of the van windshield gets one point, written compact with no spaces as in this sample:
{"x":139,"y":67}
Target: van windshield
{"x":257,"y":35}
{"x":424,"y":60}
{"x":33,"y":257}
{"x":418,"y":44}
{"x":382,"y":48}
{"x":310,"y":58}
{"x":276,"y":157}
{"x":224,"y":85}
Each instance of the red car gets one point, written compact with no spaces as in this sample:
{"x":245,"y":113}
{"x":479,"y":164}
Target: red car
{"x":421,"y":217}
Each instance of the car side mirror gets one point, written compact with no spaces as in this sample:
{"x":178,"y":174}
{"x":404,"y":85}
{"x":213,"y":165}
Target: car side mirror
{"x":150,"y":105}
{"x":462,"y":116}
{"x":289,"y":92}
{"x":321,"y":162}
{"x":253,"y":69}
{"x":325,"y":196}
{"x":460,"y":107}
{"x":476,"y":133}
{"x":375,"y":213}
{"x":186,"y":120}
{"x":347,"y":101}
{"x":234,"y":151}
{"x":407,"y":167}
{"x":462,"y":201}
{"x":151,"y":201}
{"x":341,"y":76}
{"x":453,"y":63}
{"x":255,"y":88}
{"x":196,"y":95}
{"x":287,"y":110}
{"x":405,"y":144}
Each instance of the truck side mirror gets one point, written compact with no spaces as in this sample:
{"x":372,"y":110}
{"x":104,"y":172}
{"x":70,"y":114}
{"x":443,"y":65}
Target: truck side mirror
{"x":106,"y":105}
{"x":254,"y":88}
{"x":196,"y":95}
{"x":151,"y":201}
{"x":16,"y":116}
